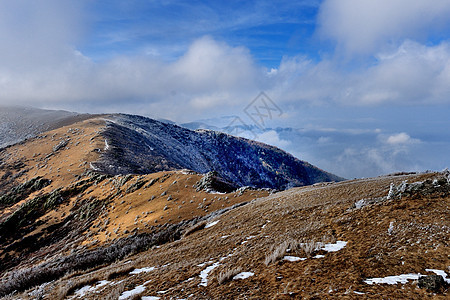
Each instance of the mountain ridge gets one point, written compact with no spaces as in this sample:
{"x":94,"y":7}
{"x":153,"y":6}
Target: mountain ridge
{"x":142,"y":145}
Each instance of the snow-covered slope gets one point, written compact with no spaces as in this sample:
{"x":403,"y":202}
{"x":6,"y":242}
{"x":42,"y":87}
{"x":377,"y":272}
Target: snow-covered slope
{"x":140,"y":145}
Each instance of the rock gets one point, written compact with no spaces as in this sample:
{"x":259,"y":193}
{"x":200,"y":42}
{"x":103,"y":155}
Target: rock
{"x":211,"y":182}
{"x":60,"y":145}
{"x":434,"y":283}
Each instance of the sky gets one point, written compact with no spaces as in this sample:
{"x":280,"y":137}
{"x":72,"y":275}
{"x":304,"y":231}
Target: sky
{"x":359,"y":87}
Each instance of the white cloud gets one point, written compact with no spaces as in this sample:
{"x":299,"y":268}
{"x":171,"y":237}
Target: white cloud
{"x":210,"y":74}
{"x":367,"y":26}
{"x":370,"y":161}
{"x":271,"y":137}
{"x":401,"y":139}
{"x":324,"y":139}
{"x":412,"y":73}
{"x":38,"y":32}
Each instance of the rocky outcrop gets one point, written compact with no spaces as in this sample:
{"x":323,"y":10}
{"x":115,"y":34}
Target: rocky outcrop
{"x":211,"y":182}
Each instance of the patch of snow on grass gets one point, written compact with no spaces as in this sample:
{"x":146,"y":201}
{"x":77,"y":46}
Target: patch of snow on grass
{"x":293,"y":258}
{"x":264,"y":226}
{"x":90,"y":289}
{"x":102,"y":283}
{"x":439,"y":272}
{"x":205,"y":263}
{"x":84,"y":290}
{"x":211,"y":224}
{"x":216,"y":192}
{"x":360,"y":203}
{"x":150,"y":298}
{"x":225,"y":257}
{"x":334,"y":247}
{"x":142,"y":270}
{"x":358,"y":293}
{"x":136,"y":291}
{"x":403,"y":278}
{"x":243,"y":275}
{"x":204,"y":274}
{"x":319,"y":256}
{"x":92,"y":167}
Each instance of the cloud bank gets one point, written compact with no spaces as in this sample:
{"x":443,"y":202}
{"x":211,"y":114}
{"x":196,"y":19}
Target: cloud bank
{"x":366,"y":26}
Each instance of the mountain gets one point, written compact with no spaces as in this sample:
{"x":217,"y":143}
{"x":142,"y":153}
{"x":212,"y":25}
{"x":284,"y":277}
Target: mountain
{"x":141,"y":145}
{"x":20,"y":123}
{"x":85,"y":214}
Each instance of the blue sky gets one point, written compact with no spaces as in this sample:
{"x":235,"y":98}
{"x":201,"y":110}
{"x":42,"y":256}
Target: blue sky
{"x":270,"y":30}
{"x":365,"y":84}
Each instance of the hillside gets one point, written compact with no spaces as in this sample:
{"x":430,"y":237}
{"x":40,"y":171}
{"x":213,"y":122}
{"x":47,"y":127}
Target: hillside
{"x":119,"y":206}
{"x":370,"y":238}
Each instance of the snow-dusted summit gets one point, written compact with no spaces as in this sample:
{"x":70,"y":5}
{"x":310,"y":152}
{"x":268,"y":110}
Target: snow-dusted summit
{"x":142,"y":145}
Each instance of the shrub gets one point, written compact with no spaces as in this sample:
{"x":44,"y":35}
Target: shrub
{"x":278,"y":252}
{"x":228,"y":274}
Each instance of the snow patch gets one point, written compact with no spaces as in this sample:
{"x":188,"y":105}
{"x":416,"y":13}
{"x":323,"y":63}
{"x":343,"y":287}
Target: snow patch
{"x":403,"y":278}
{"x":92,"y":167}
{"x":90,"y":289}
{"x":205,"y":263}
{"x":142,"y":270}
{"x":84,"y":290}
{"x":319,"y":256}
{"x":225,"y":257}
{"x":106,"y":145}
{"x":102,"y":283}
{"x":243,"y":275}
{"x":150,"y":298}
{"x":264,"y":226}
{"x":211,"y":224}
{"x":361,"y":203}
{"x":205,"y":272}
{"x":136,"y":291}
{"x":334,"y":247}
{"x":293,"y":258}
